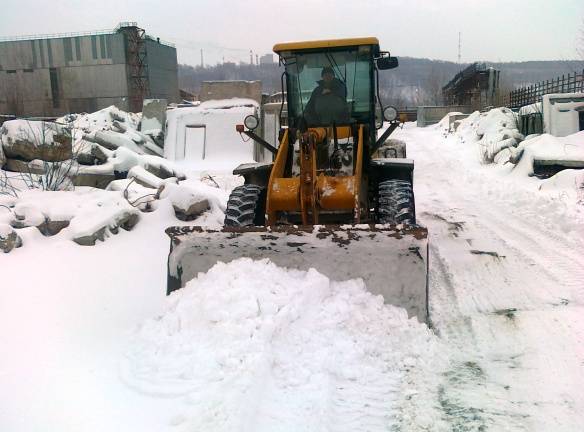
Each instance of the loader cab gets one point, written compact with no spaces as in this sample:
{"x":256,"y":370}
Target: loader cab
{"x":351,"y":99}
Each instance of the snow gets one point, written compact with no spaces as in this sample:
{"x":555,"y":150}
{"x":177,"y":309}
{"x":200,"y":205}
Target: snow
{"x":251,"y":346}
{"x":102,"y":120}
{"x":191,"y":191}
{"x":254,"y":346}
{"x":147,"y":178}
{"x":549,"y":148}
{"x":506,"y":289}
{"x":534,"y":108}
{"x":561,"y":113}
{"x":203,"y":138}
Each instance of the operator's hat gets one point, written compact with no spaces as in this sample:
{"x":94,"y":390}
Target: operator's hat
{"x":327,"y":69}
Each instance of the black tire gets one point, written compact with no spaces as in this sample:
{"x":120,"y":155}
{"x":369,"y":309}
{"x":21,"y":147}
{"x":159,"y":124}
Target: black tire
{"x":246,"y":206}
{"x":395,"y":203}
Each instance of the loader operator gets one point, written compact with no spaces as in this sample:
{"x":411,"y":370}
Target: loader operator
{"x":328,"y":101}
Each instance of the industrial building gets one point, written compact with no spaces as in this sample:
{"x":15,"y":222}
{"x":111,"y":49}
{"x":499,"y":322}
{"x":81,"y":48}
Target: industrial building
{"x":231,"y":89}
{"x":476,"y":86}
{"x":52,"y":75}
{"x":267,"y":59}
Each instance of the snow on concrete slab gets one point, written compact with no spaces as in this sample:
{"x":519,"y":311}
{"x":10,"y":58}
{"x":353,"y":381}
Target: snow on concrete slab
{"x":203,"y":138}
{"x":551,"y":150}
{"x":252,"y":346}
{"x":101,"y":120}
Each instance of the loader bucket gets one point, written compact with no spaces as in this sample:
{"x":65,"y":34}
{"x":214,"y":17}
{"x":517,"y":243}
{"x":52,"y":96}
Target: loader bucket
{"x":392,"y":262}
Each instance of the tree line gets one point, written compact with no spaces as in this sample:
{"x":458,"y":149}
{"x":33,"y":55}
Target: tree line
{"x":416,"y":81}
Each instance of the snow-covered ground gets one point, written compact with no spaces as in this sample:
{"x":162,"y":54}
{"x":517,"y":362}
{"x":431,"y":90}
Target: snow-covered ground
{"x":507,"y":289}
{"x":90,"y":341}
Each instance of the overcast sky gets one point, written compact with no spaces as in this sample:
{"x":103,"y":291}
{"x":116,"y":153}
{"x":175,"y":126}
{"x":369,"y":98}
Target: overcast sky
{"x":495,"y":30}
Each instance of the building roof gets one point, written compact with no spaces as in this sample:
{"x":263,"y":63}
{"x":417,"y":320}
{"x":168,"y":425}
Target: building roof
{"x":330,"y":43}
{"x":118,"y":28}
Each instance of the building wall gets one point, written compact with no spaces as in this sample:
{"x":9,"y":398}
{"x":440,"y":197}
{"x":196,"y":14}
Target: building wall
{"x":562,"y":113}
{"x":162,"y":71}
{"x":50,"y":77}
{"x":429,"y":115}
{"x":231,"y":89}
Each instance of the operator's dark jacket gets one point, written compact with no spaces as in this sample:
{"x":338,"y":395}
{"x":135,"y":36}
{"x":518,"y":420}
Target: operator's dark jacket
{"x":337,"y":88}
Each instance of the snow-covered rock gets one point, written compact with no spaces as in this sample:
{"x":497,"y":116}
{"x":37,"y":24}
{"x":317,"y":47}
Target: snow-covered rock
{"x":114,"y":140}
{"x":101,"y":120}
{"x":29,"y":140}
{"x":564,"y":151}
{"x":87,"y":231}
{"x":2,"y":156}
{"x":146,"y":178}
{"x":9,"y":240}
{"x":492,"y":131}
{"x":188,"y":202}
{"x":31,"y":167}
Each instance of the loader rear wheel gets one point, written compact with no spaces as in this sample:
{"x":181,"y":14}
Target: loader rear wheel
{"x":246,"y":206}
{"x":395,"y":203}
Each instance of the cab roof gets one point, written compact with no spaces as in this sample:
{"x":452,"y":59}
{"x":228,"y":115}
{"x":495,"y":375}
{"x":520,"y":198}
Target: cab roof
{"x":330,"y":43}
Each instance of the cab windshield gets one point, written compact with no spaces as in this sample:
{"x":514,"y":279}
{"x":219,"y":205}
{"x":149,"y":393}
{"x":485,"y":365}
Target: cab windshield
{"x":332,"y":87}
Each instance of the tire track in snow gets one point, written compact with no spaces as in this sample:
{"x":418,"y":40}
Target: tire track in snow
{"x":513,"y":355}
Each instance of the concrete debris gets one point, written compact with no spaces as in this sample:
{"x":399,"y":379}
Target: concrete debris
{"x":2,"y":156}
{"x":29,"y":140}
{"x":32,"y":167}
{"x":9,"y":240}
{"x":147,"y":179}
{"x":96,"y":180}
{"x":126,"y":220}
{"x":113,"y":140}
{"x":51,"y":227}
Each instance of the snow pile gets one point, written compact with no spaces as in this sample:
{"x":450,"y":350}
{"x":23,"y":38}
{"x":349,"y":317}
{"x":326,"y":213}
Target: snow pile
{"x":495,"y":132}
{"x":228,"y":103}
{"x":251,"y":346}
{"x":562,"y":151}
{"x":444,"y":124}
{"x":81,"y":150}
{"x":552,"y":149}
{"x":113,"y":128}
{"x":73,"y":214}
{"x":102,"y":120}
{"x":87,"y":215}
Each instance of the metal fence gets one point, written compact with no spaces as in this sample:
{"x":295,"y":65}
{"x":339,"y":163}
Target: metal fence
{"x":570,"y":83}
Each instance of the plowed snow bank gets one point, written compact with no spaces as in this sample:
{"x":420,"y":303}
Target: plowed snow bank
{"x":253,"y":346}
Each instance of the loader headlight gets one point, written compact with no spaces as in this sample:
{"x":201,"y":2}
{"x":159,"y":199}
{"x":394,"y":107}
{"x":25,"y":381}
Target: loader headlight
{"x":389,"y":113}
{"x":251,"y":122}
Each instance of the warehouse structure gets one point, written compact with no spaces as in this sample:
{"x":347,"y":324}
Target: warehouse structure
{"x":84,"y":72}
{"x":476,"y":86}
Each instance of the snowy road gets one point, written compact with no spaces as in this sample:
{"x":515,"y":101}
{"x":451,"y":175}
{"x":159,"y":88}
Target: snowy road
{"x":507,"y":291}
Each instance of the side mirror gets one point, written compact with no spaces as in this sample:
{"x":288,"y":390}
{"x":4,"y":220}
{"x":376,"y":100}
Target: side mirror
{"x":384,"y":63}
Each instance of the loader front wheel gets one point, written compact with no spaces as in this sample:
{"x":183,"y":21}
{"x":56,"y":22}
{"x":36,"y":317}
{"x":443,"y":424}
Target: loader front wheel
{"x":246,"y":206}
{"x":395,"y":203}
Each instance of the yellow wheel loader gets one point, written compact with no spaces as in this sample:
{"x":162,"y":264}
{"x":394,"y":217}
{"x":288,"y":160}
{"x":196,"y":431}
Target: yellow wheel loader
{"x":330,"y":199}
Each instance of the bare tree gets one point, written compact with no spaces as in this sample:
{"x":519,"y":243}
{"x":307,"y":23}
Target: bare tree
{"x":434,"y":84}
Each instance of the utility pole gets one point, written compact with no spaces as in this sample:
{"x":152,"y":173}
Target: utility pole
{"x":459,"y":46}
{"x":202,"y":64}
